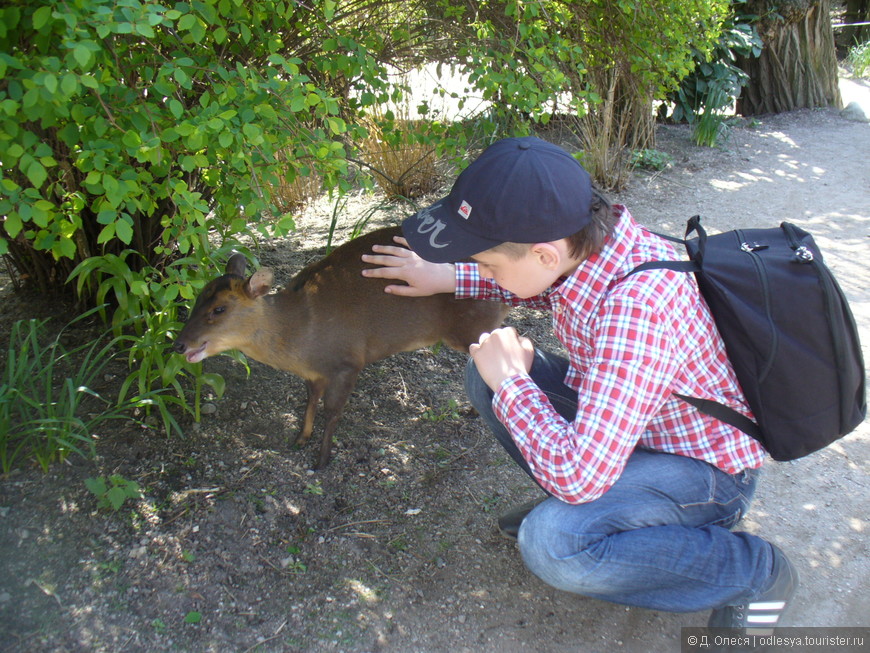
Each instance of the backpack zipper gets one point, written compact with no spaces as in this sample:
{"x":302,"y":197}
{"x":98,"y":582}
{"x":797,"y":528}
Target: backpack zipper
{"x":761,"y":273}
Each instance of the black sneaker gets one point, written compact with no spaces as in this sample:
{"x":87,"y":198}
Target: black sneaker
{"x":760,"y":615}
{"x":509,"y":523}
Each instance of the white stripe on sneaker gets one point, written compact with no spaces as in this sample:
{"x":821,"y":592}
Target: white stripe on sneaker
{"x":762,"y":619}
{"x":767,"y":605}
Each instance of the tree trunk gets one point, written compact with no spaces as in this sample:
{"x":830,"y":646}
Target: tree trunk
{"x":797,"y":68}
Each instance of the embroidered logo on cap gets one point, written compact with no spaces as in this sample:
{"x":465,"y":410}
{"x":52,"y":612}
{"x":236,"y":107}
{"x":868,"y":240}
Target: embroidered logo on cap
{"x":427,"y":223}
{"x":464,"y":209}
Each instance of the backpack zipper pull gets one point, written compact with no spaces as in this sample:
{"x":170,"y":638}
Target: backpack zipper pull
{"x":803,"y":254}
{"x":753,"y":246}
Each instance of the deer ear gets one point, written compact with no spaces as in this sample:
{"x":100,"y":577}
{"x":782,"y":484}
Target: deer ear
{"x":236,"y":265}
{"x":260,"y":283}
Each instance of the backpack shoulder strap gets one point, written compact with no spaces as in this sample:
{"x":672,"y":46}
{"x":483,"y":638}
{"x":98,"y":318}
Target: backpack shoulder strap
{"x":712,"y":408}
{"x":724,"y":414}
{"x":678,"y":266}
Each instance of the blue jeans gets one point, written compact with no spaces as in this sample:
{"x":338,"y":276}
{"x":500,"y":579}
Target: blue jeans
{"x":659,"y":538}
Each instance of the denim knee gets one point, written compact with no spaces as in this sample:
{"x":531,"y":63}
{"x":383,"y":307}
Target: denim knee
{"x":555,"y":556}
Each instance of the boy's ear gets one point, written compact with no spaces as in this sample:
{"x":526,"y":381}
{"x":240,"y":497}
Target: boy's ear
{"x":548,"y":254}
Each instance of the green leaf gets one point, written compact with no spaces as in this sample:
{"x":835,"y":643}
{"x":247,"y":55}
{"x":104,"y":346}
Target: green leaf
{"x":82,"y":55}
{"x":197,"y":32}
{"x":64,"y":248}
{"x":107,"y":233}
{"x":13,"y":224}
{"x":89,"y":81}
{"x":215,"y":381}
{"x":131,"y":139}
{"x":193,"y":618}
{"x":186,"y":22}
{"x":145,"y":30}
{"x":97,"y":486}
{"x":182,"y":78}
{"x":329,"y":9}
{"x":41,"y":17}
{"x":124,"y":231}
{"x":336,"y":125}
{"x":50,"y":83}
{"x":116,"y":497}
{"x":69,"y":84}
{"x":36,"y":174}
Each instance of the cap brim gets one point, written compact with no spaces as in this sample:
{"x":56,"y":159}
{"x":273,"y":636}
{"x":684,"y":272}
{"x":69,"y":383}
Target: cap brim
{"x":439,"y":237}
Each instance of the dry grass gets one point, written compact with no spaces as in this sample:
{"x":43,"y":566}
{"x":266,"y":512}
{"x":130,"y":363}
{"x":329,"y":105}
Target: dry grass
{"x":291,"y":195}
{"x":613,"y":129}
{"x":401,"y":165}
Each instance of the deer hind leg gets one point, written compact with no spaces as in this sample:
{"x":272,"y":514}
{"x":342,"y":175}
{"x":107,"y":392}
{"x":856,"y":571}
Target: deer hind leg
{"x":334,"y":400}
{"x":315,"y":392}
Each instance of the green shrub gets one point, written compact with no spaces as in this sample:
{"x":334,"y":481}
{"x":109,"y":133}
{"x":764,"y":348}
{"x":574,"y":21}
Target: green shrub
{"x":715,"y":83}
{"x":601,"y":62}
{"x":140,"y":141}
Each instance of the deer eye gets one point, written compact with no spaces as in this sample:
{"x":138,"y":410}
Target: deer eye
{"x":217,"y":310}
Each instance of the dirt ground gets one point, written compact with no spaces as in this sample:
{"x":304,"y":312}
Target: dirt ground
{"x":394,"y":546}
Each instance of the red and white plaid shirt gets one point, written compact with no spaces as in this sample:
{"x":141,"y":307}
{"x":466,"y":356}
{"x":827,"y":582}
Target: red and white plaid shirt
{"x":632,"y":344}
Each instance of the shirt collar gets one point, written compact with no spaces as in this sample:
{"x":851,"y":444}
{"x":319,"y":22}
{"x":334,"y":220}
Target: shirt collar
{"x":594,"y":276}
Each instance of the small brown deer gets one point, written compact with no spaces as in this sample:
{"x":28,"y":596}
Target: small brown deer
{"x":326,"y":325}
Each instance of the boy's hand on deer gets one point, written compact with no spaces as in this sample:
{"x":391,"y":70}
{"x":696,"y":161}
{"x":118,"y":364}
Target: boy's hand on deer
{"x":400,"y":263}
{"x":502,"y":354}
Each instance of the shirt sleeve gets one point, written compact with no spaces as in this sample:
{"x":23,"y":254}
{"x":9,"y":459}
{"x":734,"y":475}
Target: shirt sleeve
{"x":470,"y":285}
{"x":624,"y":387}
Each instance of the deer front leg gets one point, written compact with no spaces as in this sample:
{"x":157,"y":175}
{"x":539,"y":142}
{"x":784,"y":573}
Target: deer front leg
{"x":334,"y":400}
{"x":315,"y":390}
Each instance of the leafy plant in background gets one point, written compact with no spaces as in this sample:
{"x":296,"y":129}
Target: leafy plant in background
{"x":715,"y":83}
{"x":600,"y":62}
{"x":859,"y":59}
{"x":49,"y":407}
{"x":145,"y":322}
{"x":651,"y":159}
{"x":112,"y":492}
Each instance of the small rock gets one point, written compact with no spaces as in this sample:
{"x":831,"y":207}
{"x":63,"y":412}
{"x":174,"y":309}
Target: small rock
{"x":208,"y":409}
{"x":855,"y":111}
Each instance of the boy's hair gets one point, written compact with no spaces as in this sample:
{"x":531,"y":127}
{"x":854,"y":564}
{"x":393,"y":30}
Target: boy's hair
{"x":584,"y":243}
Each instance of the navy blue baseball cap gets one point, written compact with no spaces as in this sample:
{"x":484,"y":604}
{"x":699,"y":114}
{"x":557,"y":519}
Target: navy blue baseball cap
{"x":519,"y":190}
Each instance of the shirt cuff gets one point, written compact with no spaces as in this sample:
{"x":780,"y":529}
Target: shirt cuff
{"x":512,"y":392}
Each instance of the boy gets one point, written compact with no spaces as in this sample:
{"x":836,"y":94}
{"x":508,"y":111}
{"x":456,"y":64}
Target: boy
{"x":643,"y":488}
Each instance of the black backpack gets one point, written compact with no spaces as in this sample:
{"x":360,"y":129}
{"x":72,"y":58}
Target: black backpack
{"x":788,"y":332}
